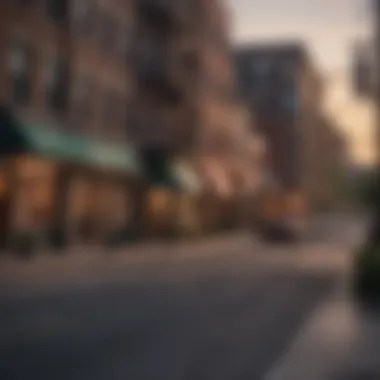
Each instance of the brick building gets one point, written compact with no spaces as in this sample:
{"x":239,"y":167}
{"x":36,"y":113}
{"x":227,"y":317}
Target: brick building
{"x":284,"y":90}
{"x":64,"y":81}
{"x":184,"y":79}
{"x":184,"y":90}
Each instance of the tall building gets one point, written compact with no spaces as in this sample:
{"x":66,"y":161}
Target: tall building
{"x":328,"y":162}
{"x":64,"y":81}
{"x":184,"y":83}
{"x":284,"y":90}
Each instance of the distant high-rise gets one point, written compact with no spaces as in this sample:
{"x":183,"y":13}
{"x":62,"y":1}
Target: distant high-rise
{"x":284,"y":90}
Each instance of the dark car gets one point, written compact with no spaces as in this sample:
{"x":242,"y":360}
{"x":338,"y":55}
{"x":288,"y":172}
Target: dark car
{"x":281,"y":231}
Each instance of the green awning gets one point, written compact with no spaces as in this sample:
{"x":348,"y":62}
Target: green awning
{"x":17,"y":137}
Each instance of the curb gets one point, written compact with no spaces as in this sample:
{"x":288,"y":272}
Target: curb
{"x":321,"y":345}
{"x":84,"y":264}
{"x":336,"y":343}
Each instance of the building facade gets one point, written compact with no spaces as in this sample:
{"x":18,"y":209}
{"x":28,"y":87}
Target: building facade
{"x":184,"y":90}
{"x":328,"y":162}
{"x":65,"y":78}
{"x":284,"y":90}
{"x":184,"y":76}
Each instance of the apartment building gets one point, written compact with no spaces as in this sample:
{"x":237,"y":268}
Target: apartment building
{"x":284,"y":90}
{"x":184,"y":75}
{"x":65,"y":80}
{"x":184,"y":86}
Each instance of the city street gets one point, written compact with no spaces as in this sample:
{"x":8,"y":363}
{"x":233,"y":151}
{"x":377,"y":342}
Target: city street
{"x":183,"y":190}
{"x":222,"y":316}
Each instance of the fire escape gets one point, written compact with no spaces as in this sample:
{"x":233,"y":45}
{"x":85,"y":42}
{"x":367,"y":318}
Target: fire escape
{"x":164,"y":71}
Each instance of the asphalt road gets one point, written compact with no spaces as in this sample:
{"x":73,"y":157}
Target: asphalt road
{"x":216,"y":318}
{"x":220,"y":316}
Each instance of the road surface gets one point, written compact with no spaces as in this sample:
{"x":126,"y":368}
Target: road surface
{"x":228,"y":316}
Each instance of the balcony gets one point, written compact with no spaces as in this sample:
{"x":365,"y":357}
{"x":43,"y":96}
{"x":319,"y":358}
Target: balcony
{"x":164,"y":127}
{"x":168,"y":12}
{"x":158,"y":73}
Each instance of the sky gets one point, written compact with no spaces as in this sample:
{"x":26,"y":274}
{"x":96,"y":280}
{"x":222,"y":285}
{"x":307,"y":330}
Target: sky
{"x":329,"y":27}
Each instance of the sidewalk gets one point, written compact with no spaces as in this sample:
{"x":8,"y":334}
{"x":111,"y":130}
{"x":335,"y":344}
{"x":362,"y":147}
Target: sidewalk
{"x":338,"y":343}
{"x":86,"y":263}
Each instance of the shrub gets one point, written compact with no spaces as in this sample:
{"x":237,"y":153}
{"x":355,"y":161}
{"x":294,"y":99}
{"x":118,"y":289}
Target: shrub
{"x":368,"y":191}
{"x":367,"y":274}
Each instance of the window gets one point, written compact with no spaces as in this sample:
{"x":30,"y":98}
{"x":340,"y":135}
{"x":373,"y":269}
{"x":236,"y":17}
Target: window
{"x":126,"y":42}
{"x":57,"y":10}
{"x":23,"y":3}
{"x":83,"y":17}
{"x":261,"y":68}
{"x":191,"y":61}
{"x":57,"y":86}
{"x":82,"y":101}
{"x":114,"y":116}
{"x":20,"y":62}
{"x":289,"y":102}
{"x":109,"y":32}
{"x":288,"y":68}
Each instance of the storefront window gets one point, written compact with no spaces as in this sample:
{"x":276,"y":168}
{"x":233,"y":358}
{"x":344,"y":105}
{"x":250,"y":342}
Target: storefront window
{"x":158,"y":209}
{"x":34,"y":194}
